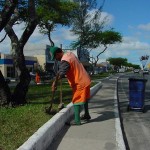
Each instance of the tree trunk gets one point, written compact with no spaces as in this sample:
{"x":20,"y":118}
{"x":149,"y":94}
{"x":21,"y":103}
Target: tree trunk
{"x":5,"y":94}
{"x":21,"y":89}
{"x":19,"y":95}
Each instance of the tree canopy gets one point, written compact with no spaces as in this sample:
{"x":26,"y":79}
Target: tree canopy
{"x":90,"y":29}
{"x":7,"y":8}
{"x":122,"y":62}
{"x":31,"y":13}
{"x":117,"y":61}
{"x":52,"y":13}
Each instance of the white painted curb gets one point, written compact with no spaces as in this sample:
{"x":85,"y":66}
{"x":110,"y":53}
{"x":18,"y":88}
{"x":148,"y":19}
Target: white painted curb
{"x":119,"y":135}
{"x":44,"y":136}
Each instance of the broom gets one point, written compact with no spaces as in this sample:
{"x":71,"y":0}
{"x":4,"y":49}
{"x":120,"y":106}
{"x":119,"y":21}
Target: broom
{"x":61,"y":104}
{"x":49,"y":110}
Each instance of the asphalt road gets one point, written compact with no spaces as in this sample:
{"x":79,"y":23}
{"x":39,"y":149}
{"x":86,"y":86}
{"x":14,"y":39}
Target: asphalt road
{"x":136,"y":124}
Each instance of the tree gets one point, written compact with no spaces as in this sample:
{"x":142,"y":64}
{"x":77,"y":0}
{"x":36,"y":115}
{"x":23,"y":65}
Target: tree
{"x":86,"y":23}
{"x":89,"y":27}
{"x":62,"y":13}
{"x":144,"y":60}
{"x":6,"y":10}
{"x":49,"y":19}
{"x":26,"y":12}
{"x":133,"y":66}
{"x":117,"y":61}
{"x":136,"y":66}
{"x":5,"y":94}
{"x":104,"y":39}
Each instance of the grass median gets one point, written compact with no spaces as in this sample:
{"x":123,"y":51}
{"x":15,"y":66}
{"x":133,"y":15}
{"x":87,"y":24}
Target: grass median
{"x":18,"y":124}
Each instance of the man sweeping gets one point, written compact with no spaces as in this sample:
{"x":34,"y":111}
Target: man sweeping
{"x":78,"y":79}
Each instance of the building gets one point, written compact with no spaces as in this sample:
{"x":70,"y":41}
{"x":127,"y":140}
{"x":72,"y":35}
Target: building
{"x":33,"y":62}
{"x":7,"y":68}
{"x":84,"y":57}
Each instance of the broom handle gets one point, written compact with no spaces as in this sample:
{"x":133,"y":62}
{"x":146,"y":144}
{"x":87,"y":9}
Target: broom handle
{"x":52,"y":99}
{"x":61,"y":84}
{"x":60,"y":91}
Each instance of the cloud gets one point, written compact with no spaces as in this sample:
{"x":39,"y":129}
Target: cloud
{"x":38,"y":41}
{"x":104,"y":17}
{"x":145,"y":27}
{"x":130,"y":48}
{"x":60,"y":36}
{"x":110,"y":18}
{"x":131,"y":43}
{"x":5,"y":45}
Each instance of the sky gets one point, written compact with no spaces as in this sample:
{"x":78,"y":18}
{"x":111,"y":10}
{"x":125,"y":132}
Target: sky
{"x":131,"y":18}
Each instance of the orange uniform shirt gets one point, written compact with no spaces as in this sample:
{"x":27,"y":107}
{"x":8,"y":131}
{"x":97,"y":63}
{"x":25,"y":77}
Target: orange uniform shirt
{"x":78,"y":78}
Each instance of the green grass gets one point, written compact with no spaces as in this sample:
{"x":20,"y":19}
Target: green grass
{"x":18,"y":124}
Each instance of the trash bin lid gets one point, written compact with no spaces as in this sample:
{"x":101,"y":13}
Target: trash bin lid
{"x":136,"y":79}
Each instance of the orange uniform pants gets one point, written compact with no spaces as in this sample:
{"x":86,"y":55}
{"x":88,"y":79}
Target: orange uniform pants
{"x":81,"y":96}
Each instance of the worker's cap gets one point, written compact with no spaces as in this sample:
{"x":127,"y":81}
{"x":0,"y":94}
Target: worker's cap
{"x":53,"y":52}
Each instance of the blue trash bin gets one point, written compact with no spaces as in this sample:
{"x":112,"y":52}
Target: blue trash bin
{"x":136,"y":93}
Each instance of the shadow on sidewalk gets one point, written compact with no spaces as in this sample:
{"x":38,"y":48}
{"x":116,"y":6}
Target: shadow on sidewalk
{"x":103,"y":116}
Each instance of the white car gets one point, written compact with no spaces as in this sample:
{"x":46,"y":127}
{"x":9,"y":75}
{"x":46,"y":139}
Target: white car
{"x":136,"y":70}
{"x":145,"y":71}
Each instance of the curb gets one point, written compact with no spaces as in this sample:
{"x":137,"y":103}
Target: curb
{"x":118,"y":123}
{"x":44,"y":136}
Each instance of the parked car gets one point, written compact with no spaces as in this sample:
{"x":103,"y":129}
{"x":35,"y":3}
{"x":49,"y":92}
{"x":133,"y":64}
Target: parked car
{"x":136,"y":70}
{"x":32,"y":74}
{"x":145,"y":71}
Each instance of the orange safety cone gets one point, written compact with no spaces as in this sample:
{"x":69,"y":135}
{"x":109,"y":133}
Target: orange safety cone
{"x":37,"y":79}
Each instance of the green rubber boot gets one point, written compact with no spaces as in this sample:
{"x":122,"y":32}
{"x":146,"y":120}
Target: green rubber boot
{"x":86,"y":115}
{"x":86,"y":109}
{"x":77,"y":114}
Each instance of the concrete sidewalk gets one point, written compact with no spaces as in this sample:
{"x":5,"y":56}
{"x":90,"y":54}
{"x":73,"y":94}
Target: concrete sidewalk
{"x":102,"y":132}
